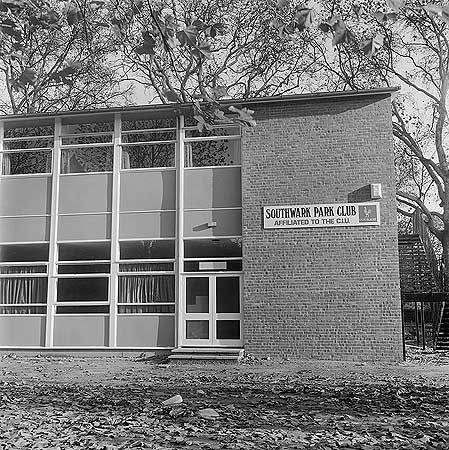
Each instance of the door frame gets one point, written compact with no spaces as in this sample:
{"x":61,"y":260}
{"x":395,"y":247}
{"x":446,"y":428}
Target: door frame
{"x":212,"y":316}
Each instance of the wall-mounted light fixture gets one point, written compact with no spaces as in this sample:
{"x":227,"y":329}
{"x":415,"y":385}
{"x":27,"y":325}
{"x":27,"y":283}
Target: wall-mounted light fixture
{"x":376,"y":191}
{"x":211,"y":224}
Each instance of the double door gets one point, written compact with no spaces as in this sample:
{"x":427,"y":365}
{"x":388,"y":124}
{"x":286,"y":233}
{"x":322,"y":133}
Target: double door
{"x":211,"y":311}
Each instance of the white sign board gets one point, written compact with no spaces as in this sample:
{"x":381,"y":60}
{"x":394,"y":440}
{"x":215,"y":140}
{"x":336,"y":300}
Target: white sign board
{"x":321,"y":215}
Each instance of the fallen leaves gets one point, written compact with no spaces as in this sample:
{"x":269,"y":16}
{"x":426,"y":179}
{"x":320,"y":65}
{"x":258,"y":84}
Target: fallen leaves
{"x":154,"y":407}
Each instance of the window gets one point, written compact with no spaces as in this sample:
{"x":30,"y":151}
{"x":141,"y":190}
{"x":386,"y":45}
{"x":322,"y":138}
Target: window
{"x":217,"y":147}
{"x":83,"y":278}
{"x":157,"y":249}
{"x":148,"y":147}
{"x":22,"y":291}
{"x":87,"y":147}
{"x":27,"y":150}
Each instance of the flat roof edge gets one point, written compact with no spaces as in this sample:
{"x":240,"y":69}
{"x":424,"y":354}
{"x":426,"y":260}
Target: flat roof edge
{"x":184,"y":106}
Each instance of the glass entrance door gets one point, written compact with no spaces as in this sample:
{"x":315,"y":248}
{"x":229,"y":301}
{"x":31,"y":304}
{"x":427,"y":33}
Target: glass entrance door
{"x":211,"y":311}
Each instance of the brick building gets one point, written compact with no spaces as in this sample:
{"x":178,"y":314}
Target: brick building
{"x":128,"y":228}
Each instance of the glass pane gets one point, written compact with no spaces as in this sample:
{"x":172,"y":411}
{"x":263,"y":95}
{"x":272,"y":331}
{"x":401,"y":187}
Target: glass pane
{"x":212,"y":153}
{"x":148,"y":155}
{"x":147,"y":267}
{"x":82,"y":289}
{"x":15,"y":132}
{"x":146,"y":124}
{"x":87,"y":159}
{"x":96,"y":309}
{"x":221,"y":131}
{"x":197,"y":329}
{"x":147,"y":249}
{"x":146,"y":289}
{"x":86,"y":139}
{"x":21,"y":309}
{"x":146,"y":309}
{"x":228,"y":329}
{"x":23,"y":269}
{"x":84,"y":268}
{"x":213,"y":266}
{"x":80,"y":251}
{"x":23,"y":290}
{"x":26,"y":162}
{"x":71,"y":126}
{"x":228,"y":294}
{"x":197,"y":295}
{"x":23,"y":252}
{"x":148,"y":136}
{"x":213,"y":248}
{"x":30,"y":142}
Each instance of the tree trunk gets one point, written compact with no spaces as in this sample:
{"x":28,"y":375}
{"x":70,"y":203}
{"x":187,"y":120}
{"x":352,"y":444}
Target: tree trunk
{"x":445,"y":263}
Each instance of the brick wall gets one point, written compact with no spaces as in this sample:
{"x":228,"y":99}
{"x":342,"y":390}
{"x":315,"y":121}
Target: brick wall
{"x":321,"y":292}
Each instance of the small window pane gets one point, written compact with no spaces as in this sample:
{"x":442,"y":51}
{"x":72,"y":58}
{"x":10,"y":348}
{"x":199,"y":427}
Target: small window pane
{"x":22,"y":269}
{"x":197,"y":295}
{"x":148,"y":136}
{"x":222,"y":131}
{"x":89,"y":127}
{"x":147,"y":124}
{"x":82,"y":289}
{"x":81,"y":268}
{"x":84,"y":251}
{"x":228,"y":294}
{"x":147,"y":249}
{"x":94,"y":309}
{"x":213,"y":266}
{"x":197,"y":329}
{"x":23,"y":252}
{"x":29,"y":142}
{"x":149,"y":155}
{"x":23,"y":309}
{"x":79,"y":140}
{"x":26,"y":163}
{"x":15,"y":132}
{"x":147,"y":267}
{"x":87,"y":159}
{"x":212,"y":153}
{"x":146,"y":309}
{"x":213,"y":248}
{"x":228,"y":329}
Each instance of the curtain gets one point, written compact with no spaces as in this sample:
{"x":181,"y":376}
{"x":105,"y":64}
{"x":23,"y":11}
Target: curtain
{"x":70,"y":163}
{"x":23,"y":291}
{"x":6,"y":164}
{"x":151,"y":289}
{"x":125,"y":160}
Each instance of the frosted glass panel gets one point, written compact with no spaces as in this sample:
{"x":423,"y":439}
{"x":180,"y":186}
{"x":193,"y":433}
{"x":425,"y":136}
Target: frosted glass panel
{"x":21,"y":196}
{"x":213,"y":188}
{"x":228,"y":222}
{"x":96,"y":226}
{"x":85,"y":193}
{"x":147,"y":225}
{"x":24,"y":229}
{"x":143,"y":191}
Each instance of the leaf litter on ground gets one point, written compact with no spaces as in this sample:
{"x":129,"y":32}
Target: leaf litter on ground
{"x":117,"y":403}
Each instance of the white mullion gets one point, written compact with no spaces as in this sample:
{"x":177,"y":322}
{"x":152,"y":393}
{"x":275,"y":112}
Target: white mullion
{"x":115,"y":250}
{"x":53,"y":246}
{"x":2,"y":139}
{"x":179,"y":250}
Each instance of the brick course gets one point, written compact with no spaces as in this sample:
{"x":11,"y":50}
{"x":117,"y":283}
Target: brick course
{"x":321,"y":292}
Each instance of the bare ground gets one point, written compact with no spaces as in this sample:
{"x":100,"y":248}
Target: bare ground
{"x":55,"y":402}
